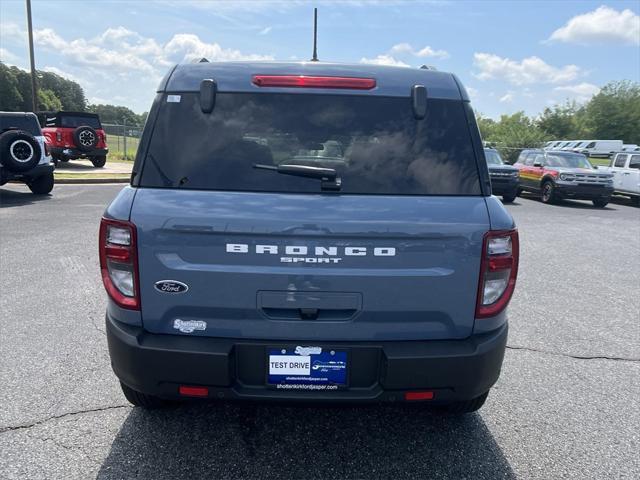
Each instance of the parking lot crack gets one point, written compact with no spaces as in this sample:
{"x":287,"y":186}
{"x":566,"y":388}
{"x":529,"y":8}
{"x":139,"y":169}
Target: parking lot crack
{"x":575,"y":357}
{"x":10,"y":428}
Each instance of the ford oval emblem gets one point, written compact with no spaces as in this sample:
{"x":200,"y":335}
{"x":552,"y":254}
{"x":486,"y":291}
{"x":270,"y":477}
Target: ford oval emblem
{"x":171,"y":286}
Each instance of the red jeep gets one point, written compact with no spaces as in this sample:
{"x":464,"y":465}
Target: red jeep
{"x":72,"y":135}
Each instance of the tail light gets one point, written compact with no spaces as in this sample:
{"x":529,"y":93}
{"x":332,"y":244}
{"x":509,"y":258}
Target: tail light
{"x":119,"y":262}
{"x":498,"y":272}
{"x":303,"y":81}
{"x":58,"y":136}
{"x":46,"y":149}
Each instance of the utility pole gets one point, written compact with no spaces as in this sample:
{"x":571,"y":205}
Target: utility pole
{"x":34,"y":88}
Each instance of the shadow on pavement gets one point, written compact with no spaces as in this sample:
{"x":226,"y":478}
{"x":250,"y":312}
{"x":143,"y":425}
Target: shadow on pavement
{"x":71,"y":166}
{"x":226,"y":440}
{"x":13,"y":198}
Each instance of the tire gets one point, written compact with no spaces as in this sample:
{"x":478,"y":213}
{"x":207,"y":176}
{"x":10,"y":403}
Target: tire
{"x":55,"y":161}
{"x":635,"y":201}
{"x":467,"y":406}
{"x":548,"y":193}
{"x":139,"y":399}
{"x":600,"y":202}
{"x":41,"y":185}
{"x":85,"y":138}
{"x":19,"y":150}
{"x":98,"y":161}
{"x":508,"y":198}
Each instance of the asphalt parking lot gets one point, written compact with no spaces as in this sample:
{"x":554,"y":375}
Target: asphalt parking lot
{"x":566,"y":406}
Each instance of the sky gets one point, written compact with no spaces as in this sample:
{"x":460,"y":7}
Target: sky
{"x":510,"y":55}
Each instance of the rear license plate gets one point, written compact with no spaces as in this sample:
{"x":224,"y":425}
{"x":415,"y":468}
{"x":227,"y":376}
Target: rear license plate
{"x":307,"y":368}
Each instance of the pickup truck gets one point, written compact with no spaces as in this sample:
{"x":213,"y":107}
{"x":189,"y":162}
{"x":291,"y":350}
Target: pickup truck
{"x":286,"y":215}
{"x":625,"y":168}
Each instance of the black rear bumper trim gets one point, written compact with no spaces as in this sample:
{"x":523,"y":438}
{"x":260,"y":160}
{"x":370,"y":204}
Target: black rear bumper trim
{"x":235,"y":368}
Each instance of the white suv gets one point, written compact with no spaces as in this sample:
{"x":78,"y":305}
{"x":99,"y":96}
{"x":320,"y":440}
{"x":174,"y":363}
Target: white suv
{"x":24,"y":155}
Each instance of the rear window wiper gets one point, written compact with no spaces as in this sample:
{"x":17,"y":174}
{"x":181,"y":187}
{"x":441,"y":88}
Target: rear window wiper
{"x":328,"y":176}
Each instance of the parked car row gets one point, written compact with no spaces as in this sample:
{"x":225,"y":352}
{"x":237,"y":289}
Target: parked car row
{"x":592,"y":148}
{"x":556,"y":175}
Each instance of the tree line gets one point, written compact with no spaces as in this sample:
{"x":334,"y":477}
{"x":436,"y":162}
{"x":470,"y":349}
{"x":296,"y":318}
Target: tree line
{"x":612,"y":114}
{"x":56,"y":93}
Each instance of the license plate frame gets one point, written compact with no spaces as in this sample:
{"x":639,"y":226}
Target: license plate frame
{"x":328,"y":369}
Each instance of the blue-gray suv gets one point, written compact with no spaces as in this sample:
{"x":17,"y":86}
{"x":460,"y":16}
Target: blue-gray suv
{"x":308,"y":232}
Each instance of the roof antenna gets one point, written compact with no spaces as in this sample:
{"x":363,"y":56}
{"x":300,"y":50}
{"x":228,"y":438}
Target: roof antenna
{"x":315,"y":35}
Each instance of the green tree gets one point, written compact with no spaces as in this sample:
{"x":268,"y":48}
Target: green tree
{"x":48,"y":101}
{"x":10,"y":97}
{"x":614,"y":113}
{"x":512,"y":134}
{"x":70,"y":93}
{"x":116,"y":114}
{"x":486,"y":126}
{"x":564,"y":121}
{"x":60,"y":93}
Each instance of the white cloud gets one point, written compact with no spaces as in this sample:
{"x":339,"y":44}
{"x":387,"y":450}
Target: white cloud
{"x":430,"y":52}
{"x":603,"y":25}
{"x":406,"y":48}
{"x":7,"y":57}
{"x":403,"y":49}
{"x":127,"y":51}
{"x":384,"y":60}
{"x":103,"y":63}
{"x":527,"y":71}
{"x":581,"y":92}
{"x":92,"y":53}
{"x":265,"y":31}
{"x":473,"y":92}
{"x":62,"y":73}
{"x":507,"y":98}
{"x":187,"y":47}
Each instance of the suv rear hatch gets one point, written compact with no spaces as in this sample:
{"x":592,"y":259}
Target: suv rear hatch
{"x":394,"y":254}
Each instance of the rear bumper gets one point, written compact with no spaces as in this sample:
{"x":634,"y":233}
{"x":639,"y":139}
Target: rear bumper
{"x":73,"y":153}
{"x":38,"y":171}
{"x":236,"y":368}
{"x":583,"y":192}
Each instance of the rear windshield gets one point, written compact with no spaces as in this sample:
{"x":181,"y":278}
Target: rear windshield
{"x":375,"y":144}
{"x":27,"y":123}
{"x":73,"y":121}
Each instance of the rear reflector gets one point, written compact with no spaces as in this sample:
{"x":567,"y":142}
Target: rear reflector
{"x":302,"y":81}
{"x":193,"y":391}
{"x":418,"y":396}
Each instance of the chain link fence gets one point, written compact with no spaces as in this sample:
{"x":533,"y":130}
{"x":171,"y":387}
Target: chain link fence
{"x":122,"y":139}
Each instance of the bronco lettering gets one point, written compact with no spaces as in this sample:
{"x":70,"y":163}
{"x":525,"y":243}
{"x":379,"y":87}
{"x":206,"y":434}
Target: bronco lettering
{"x":316,"y":251}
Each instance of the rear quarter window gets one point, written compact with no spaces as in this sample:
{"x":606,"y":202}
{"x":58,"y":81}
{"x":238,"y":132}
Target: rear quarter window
{"x":74,"y":121}
{"x":374,"y":143}
{"x":27,"y":123}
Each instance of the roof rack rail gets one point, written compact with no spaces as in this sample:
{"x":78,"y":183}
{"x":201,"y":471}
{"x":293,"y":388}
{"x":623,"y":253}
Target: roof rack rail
{"x":200,"y":60}
{"x":428,"y":67}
